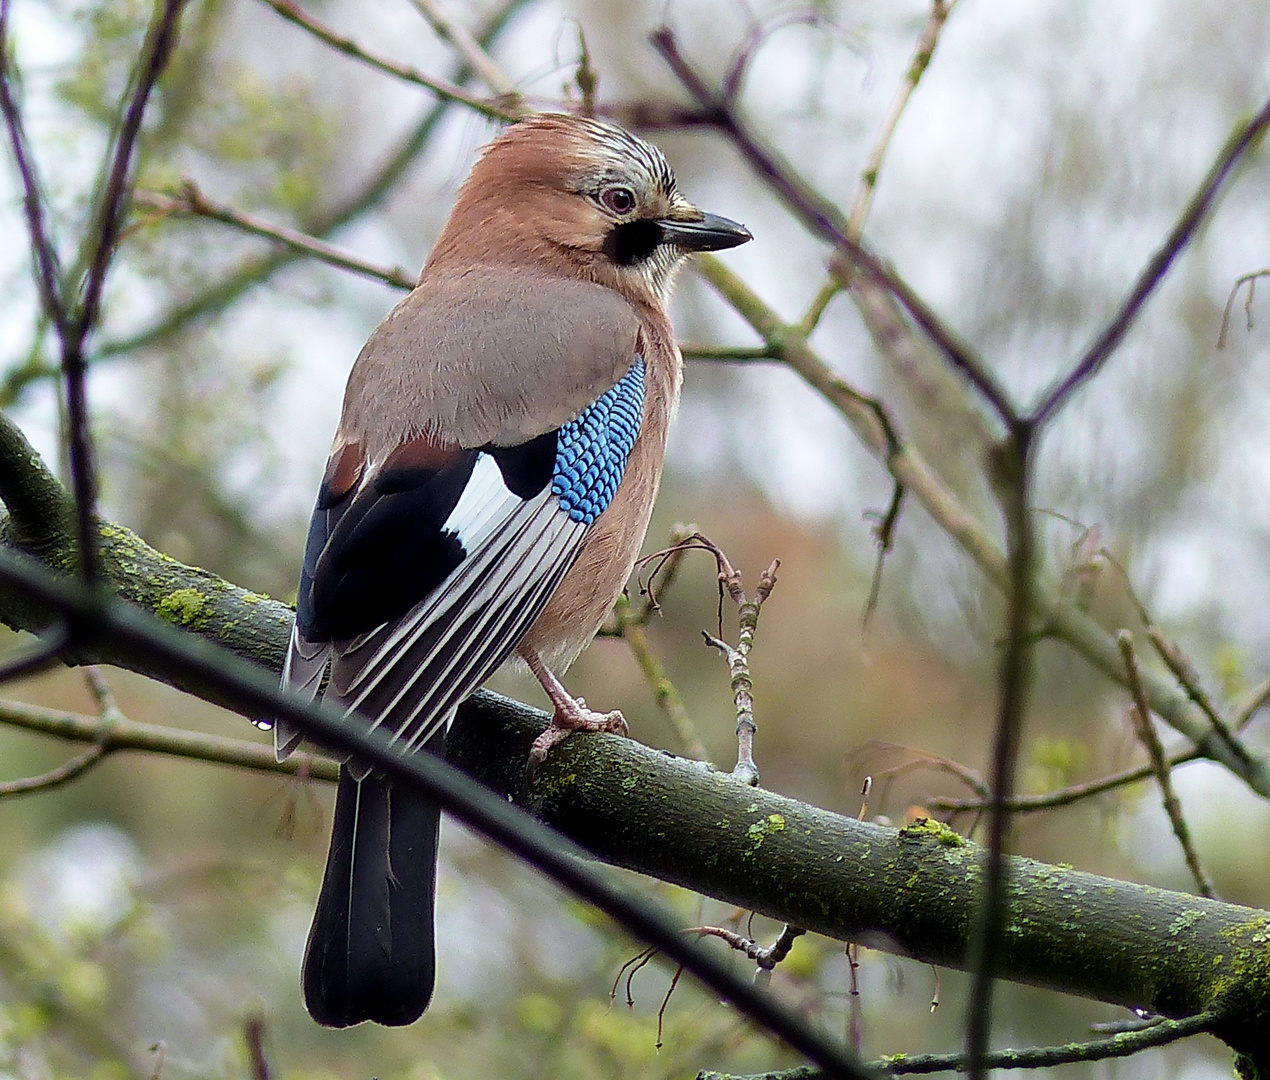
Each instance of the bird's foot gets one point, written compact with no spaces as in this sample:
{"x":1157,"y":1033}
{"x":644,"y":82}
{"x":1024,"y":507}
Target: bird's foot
{"x":571,"y":714}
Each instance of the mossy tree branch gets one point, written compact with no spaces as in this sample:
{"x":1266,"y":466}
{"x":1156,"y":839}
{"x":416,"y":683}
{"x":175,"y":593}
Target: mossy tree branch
{"x":40,"y":522}
{"x":908,"y":891}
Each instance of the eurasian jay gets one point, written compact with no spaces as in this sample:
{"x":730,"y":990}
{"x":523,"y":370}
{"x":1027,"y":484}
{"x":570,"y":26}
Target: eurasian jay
{"x":488,"y":491}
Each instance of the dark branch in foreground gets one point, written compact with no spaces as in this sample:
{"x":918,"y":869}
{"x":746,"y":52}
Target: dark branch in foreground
{"x":48,"y":273}
{"x":905,"y":891}
{"x":1014,"y":469}
{"x":215,"y":674}
{"x":909,"y":891}
{"x":40,"y":522}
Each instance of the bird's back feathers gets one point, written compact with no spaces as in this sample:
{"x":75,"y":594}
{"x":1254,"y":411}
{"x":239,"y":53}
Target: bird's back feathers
{"x":488,"y":355}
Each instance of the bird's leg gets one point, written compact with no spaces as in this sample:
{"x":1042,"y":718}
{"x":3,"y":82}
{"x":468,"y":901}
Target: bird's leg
{"x":570,"y":714}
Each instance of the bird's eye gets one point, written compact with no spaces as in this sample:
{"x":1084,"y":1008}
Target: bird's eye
{"x":620,"y":200}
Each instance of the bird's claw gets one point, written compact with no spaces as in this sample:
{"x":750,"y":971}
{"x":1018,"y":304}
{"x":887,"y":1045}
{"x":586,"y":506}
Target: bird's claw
{"x":565,"y":721}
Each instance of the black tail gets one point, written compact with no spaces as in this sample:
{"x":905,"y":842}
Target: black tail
{"x":370,"y":954}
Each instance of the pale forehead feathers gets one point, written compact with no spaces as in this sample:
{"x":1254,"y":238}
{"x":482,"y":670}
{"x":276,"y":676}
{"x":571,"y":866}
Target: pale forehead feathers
{"x":581,"y":153}
{"x":620,"y":154}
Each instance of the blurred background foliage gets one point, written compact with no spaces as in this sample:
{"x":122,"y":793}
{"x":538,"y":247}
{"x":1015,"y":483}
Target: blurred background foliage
{"x":159,"y":903}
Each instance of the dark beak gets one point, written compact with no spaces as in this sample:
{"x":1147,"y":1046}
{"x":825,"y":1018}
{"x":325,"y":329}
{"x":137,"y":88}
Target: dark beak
{"x":711,"y":233}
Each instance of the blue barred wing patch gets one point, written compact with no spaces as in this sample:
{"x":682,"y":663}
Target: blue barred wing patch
{"x":591,"y":451}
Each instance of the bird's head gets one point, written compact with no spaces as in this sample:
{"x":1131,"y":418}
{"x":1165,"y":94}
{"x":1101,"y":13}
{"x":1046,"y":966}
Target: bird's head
{"x":583,"y":197}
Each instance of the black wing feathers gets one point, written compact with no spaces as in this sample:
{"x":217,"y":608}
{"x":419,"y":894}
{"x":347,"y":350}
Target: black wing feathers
{"x":373,"y":555}
{"x":326,"y":516}
{"x":527,"y":468}
{"x":388,"y":549}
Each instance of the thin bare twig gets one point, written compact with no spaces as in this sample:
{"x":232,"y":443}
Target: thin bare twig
{"x":69,"y":770}
{"x":1117,"y":1046}
{"x":630,"y":628}
{"x":100,"y":244}
{"x":665,"y":566}
{"x":1013,"y":468}
{"x":1025,"y":804}
{"x":111,"y":209}
{"x":1141,"y":714}
{"x":823,"y":218}
{"x":1251,"y":281}
{"x":742,"y":693}
{"x":629,"y":624}
{"x":1242,"y":139}
{"x":1249,"y":705}
{"x":629,"y":968}
{"x":474,"y":55}
{"x":496,"y":110}
{"x":729,"y":354}
{"x":665,"y":1002}
{"x":1120,"y":1045}
{"x":81,"y":763}
{"x":254,"y":1037}
{"x":123,"y":734}
{"x":1188,"y":678}
{"x":923,"y":53}
{"x":634,"y":964}
{"x":766,"y":956}
{"x":1181,"y":667}
{"x":102,"y":694}
{"x":189,"y":200}
{"x":48,"y":275}
{"x":738,"y":658}
{"x":884,"y":528}
{"x":668,"y":559}
{"x":855,"y":1007}
{"x":938,"y":391}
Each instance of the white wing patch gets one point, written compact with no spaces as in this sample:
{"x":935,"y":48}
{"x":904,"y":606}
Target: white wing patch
{"x":410,"y":675}
{"x":484,"y":503}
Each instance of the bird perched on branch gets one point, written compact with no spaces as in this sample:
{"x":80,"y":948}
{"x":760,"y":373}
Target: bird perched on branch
{"x":488,"y":491}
